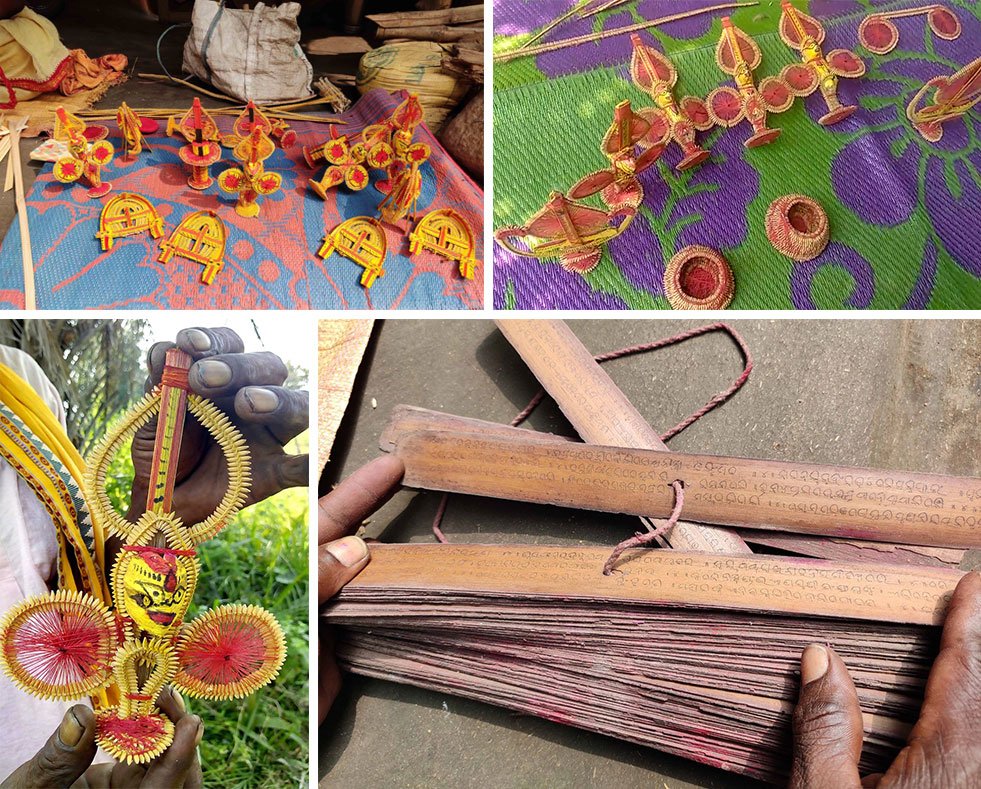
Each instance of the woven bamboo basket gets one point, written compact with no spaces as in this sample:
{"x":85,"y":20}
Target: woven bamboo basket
{"x":415,"y":66}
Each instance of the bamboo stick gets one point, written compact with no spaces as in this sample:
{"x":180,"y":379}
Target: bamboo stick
{"x":165,"y":112}
{"x":903,"y":12}
{"x":439,"y":33}
{"x":802,"y":498}
{"x":450,"y":16}
{"x":583,"y":390}
{"x":553,"y":24}
{"x":273,"y":107}
{"x":4,"y":151}
{"x":292,"y":105}
{"x":8,"y":180}
{"x":599,"y":411}
{"x":606,"y":6}
{"x":407,"y":419}
{"x":504,"y":57}
{"x":185,"y":84}
{"x":848,"y":590}
{"x":16,"y":126}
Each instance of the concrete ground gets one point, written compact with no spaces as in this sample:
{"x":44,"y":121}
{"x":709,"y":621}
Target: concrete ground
{"x":891,"y":394}
{"x":103,"y":26}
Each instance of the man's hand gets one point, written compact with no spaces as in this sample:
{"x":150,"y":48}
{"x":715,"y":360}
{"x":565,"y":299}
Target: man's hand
{"x":248,"y":388}
{"x":65,"y":759}
{"x":944,"y":747}
{"x":340,"y":555}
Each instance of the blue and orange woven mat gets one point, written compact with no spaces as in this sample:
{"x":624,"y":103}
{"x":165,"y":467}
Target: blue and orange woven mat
{"x":270,"y":261}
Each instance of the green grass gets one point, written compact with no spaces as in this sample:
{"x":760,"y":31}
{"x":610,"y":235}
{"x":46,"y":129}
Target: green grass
{"x":259,"y":559}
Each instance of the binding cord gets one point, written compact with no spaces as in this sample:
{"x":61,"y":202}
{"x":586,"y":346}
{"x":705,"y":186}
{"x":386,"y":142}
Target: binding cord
{"x":643,"y":538}
{"x":160,"y":41}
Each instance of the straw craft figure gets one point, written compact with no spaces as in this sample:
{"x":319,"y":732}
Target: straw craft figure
{"x":65,"y":644}
{"x":88,"y":153}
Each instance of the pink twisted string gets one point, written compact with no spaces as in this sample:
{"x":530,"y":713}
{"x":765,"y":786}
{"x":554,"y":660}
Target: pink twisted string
{"x":440,"y":511}
{"x":644,"y":538}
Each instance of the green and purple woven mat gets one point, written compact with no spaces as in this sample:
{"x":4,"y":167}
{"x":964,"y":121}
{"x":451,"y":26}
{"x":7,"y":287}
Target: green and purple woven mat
{"x":905,"y":214}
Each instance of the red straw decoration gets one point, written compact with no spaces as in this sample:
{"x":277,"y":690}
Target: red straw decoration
{"x":229,"y":652}
{"x":225,"y":652}
{"x":60,"y":647}
{"x":148,"y":550}
{"x":137,"y":731}
{"x":56,"y":648}
{"x":140,"y":739}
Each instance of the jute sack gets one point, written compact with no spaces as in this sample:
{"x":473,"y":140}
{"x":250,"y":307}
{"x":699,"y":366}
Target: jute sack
{"x":463,"y":137}
{"x":415,"y":66}
{"x":249,"y":54}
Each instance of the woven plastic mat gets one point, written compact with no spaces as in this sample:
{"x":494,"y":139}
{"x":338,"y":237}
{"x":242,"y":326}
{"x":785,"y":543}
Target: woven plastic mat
{"x":905,"y":214}
{"x":270,"y":261}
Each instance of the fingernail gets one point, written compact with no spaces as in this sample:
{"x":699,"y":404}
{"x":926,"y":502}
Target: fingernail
{"x":261,"y":401}
{"x":213,"y":373}
{"x":199,"y":340}
{"x":179,"y":699}
{"x":198,"y":737}
{"x":349,"y":551}
{"x":70,"y":731}
{"x":813,"y":663}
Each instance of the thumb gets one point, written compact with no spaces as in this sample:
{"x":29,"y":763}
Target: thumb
{"x":827,"y":724}
{"x":65,"y":756}
{"x":338,"y":562}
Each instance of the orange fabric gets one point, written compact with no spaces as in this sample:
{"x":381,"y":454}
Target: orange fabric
{"x":33,"y":61}
{"x":88,"y":73}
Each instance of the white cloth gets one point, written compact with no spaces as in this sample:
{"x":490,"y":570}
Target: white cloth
{"x":28,"y":561}
{"x":251,"y":55}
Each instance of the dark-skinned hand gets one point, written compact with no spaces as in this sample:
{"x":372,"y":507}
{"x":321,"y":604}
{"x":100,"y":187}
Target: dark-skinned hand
{"x":944,"y":747}
{"x":248,"y":387}
{"x":341,"y":555}
{"x":66,"y":758}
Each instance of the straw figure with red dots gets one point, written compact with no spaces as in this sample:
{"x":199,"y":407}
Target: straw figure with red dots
{"x":121,"y":639}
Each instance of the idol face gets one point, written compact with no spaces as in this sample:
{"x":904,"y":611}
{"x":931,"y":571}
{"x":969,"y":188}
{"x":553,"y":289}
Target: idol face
{"x":157,"y":588}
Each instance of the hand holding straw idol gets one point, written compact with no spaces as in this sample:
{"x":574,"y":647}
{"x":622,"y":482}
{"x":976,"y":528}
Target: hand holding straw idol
{"x":120,"y":643}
